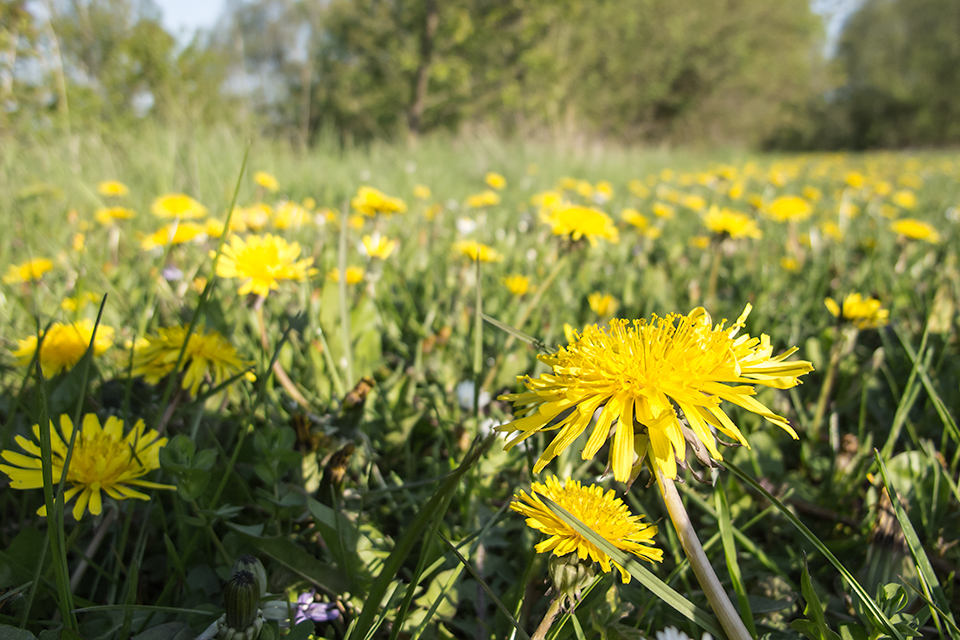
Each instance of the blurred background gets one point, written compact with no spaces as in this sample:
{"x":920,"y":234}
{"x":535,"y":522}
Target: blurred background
{"x":789,"y":74}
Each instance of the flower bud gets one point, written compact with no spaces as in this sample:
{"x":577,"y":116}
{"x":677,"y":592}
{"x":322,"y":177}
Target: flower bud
{"x":242,"y":600}
{"x":254,"y":566}
{"x":570,"y":576}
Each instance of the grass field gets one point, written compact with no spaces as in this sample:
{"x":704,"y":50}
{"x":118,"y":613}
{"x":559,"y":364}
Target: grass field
{"x":340,"y":429}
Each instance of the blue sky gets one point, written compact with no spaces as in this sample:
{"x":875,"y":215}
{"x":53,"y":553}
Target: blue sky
{"x":187,"y":15}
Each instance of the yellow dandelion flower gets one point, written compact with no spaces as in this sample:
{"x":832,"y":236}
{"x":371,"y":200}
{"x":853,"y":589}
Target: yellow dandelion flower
{"x":855,"y":179}
{"x":584,"y":189}
{"x":495,"y":181}
{"x":603,"y":512}
{"x":602,"y":304}
{"x":267,"y":181}
{"x":107,"y":216}
{"x":290,"y":215}
{"x":579,"y":222}
{"x":637,"y":188}
{"x":177,"y":205}
{"x":63,"y":346}
{"x":603,"y":191}
{"x":174,"y":233}
{"x":735,"y":192}
{"x":640,"y":373}
{"x":486,"y":198}
{"x":477,"y":251}
{"x":916,"y":230}
{"x":863,"y":313}
{"x":788,"y":209}
{"x":421,"y":192}
{"x":694,"y":202}
{"x":832,"y":230}
{"x":112,"y":188}
{"x":77,"y":303}
{"x":354,"y":275}
{"x":208,"y":355}
{"x":634,"y":217}
{"x":261,"y":262}
{"x":29,"y":271}
{"x":378,"y":246}
{"x":812,"y":193}
{"x":905,"y":199}
{"x":732,"y":223}
{"x":662,"y":210}
{"x":370,"y":202}
{"x":699,"y":242}
{"x":433,"y":211}
{"x":790,"y":264}
{"x":517,"y":284}
{"x":103,"y":461}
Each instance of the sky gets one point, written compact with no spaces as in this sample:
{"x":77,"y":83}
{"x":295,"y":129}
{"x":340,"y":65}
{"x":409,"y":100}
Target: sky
{"x":189,"y":15}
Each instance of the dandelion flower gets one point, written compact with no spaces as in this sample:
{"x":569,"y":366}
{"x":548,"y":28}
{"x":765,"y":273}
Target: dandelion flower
{"x":637,"y":219}
{"x":29,"y":271}
{"x":174,"y":233}
{"x":517,"y":284}
{"x":377,"y":246}
{"x":606,"y":514}
{"x":602,"y":304}
{"x":640,"y":373}
{"x":421,"y":192}
{"x":261,"y":262}
{"x":864,"y":313}
{"x":729,"y":222}
{"x":103,"y":461}
{"x":267,"y":181}
{"x":483,"y":199}
{"x":581,"y":222}
{"x":477,"y":251}
{"x":916,"y":230}
{"x":789,"y":209}
{"x":207,"y":354}
{"x":177,"y":205}
{"x":63,"y":346}
{"x":112,"y":188}
{"x":290,"y":215}
{"x":370,"y":202}
{"x":354,"y":275}
{"x":905,"y":199}
{"x":495,"y":181}
{"x":107,"y":216}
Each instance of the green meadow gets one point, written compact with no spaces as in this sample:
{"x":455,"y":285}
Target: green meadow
{"x":341,"y":430}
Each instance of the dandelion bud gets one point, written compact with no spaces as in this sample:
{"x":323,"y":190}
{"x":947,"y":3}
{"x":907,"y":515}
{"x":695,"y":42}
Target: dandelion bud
{"x":242,"y":604}
{"x":252,"y":564}
{"x":570,"y":576}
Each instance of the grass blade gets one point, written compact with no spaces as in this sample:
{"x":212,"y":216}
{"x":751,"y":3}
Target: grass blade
{"x":822,"y":548}
{"x":658,"y":587}
{"x":730,"y":553}
{"x":928,"y":579}
{"x":395,"y":561}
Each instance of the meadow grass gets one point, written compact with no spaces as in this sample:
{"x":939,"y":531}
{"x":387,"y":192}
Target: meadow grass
{"x":349,"y":444}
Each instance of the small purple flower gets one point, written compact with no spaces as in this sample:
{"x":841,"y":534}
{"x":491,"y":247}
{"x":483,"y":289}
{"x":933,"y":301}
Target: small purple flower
{"x":307,"y":608}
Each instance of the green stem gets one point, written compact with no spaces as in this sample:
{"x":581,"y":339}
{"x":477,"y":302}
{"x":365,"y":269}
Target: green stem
{"x":710,"y":302}
{"x":716,"y":596}
{"x":344,"y":309}
{"x":826,"y":390}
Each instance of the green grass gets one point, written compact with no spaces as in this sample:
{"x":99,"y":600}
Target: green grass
{"x":255,"y":471}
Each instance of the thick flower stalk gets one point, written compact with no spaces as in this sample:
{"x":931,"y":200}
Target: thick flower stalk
{"x":658,"y":384}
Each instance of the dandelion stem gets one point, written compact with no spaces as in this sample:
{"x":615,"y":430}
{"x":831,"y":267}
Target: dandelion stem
{"x":843,"y":344}
{"x":278,"y":369}
{"x":711,"y":300}
{"x":547,"y":622}
{"x":716,"y":596}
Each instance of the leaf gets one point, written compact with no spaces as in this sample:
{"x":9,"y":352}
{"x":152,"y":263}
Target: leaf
{"x":12,"y":633}
{"x":287,"y":553}
{"x":928,"y":579}
{"x":822,"y":548}
{"x":302,"y":631}
{"x":816,"y":627}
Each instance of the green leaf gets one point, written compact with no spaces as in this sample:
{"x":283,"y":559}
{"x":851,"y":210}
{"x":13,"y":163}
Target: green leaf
{"x":302,"y":631}
{"x":861,"y":593}
{"x":657,"y":586}
{"x":816,"y":627}
{"x":730,"y":553}
{"x":12,"y":633}
{"x":928,"y":579}
{"x":365,"y":621}
{"x":289,"y":554}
